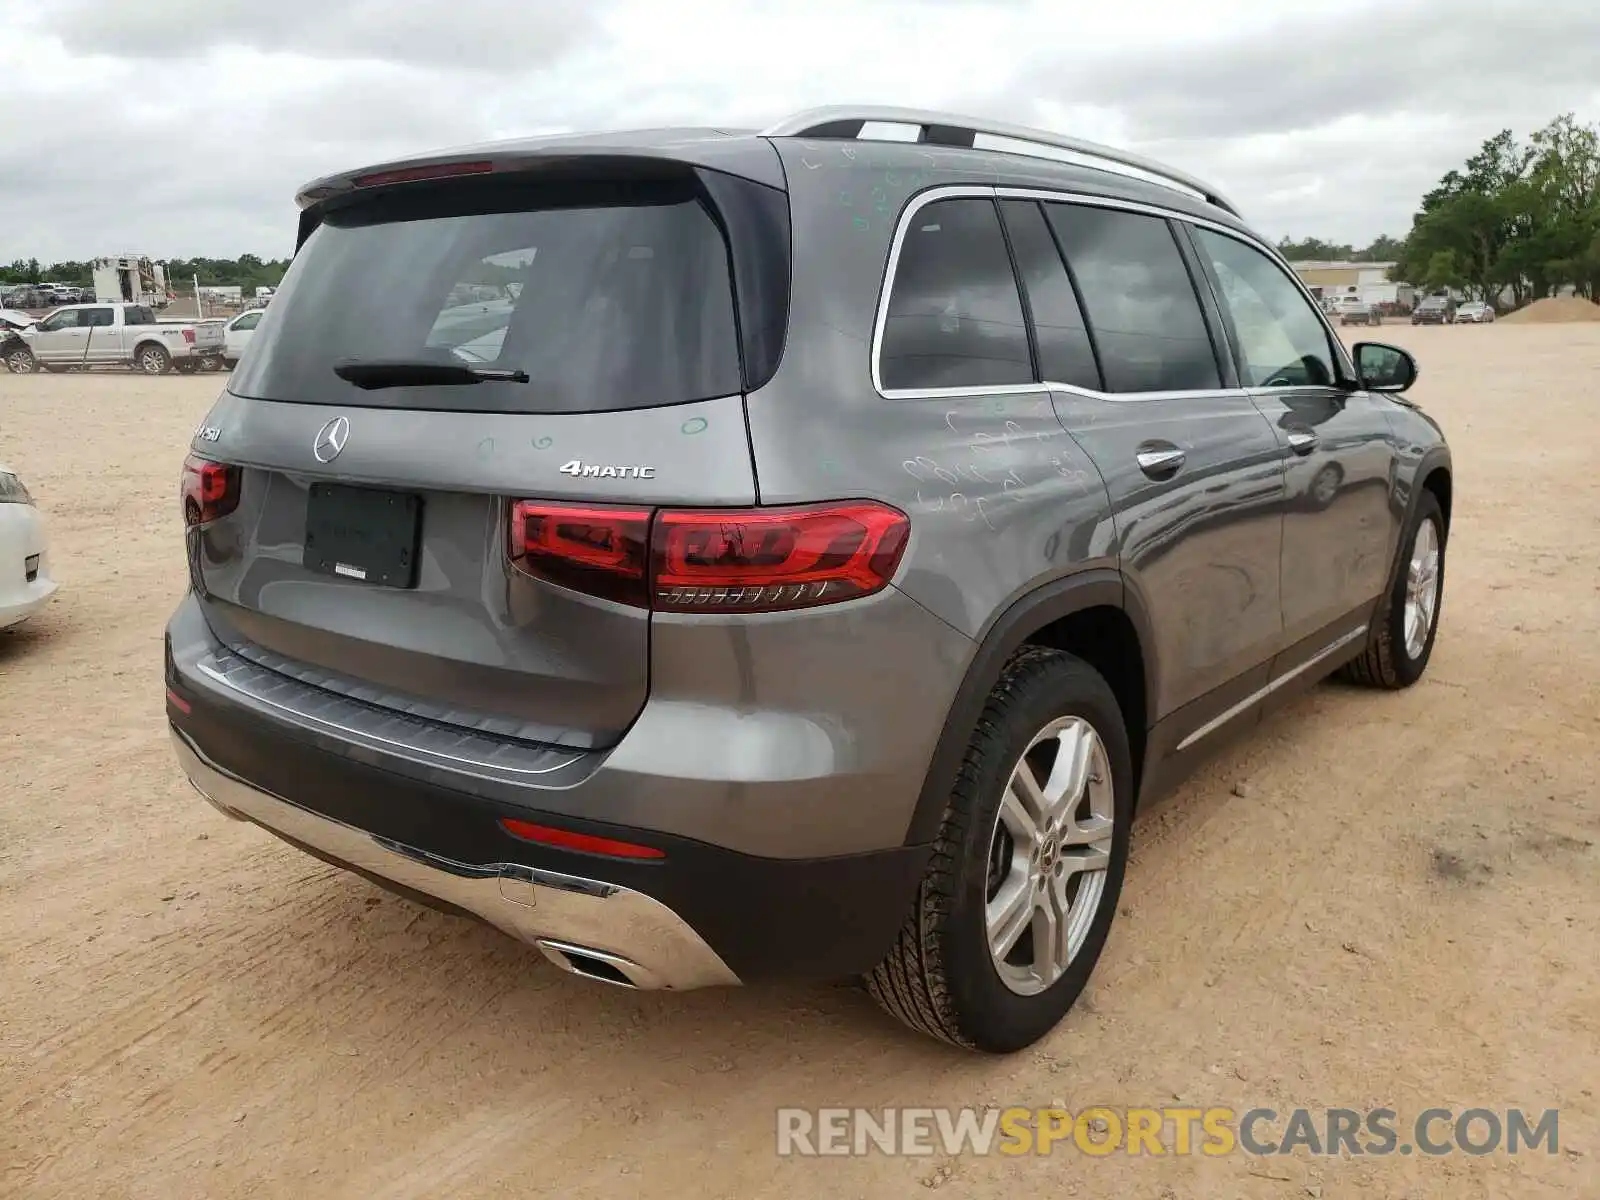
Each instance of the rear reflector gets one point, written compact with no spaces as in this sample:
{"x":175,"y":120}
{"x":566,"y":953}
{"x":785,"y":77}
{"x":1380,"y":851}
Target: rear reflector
{"x":209,"y":490}
{"x":417,"y":174}
{"x":568,"y":840}
{"x":711,"y":560}
{"x":178,"y":702}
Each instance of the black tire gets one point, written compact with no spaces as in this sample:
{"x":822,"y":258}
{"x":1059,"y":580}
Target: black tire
{"x":940,"y":978}
{"x":1386,"y":662}
{"x":152,"y":359}
{"x":20,"y":361}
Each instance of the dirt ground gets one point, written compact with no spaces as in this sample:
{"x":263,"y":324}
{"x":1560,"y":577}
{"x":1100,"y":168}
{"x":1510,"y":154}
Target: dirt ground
{"x":1379,"y":900}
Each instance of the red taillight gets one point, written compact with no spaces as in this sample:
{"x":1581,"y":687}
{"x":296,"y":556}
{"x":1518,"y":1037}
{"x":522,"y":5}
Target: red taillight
{"x":712,"y":560}
{"x":188,"y":336}
{"x":209,"y":490}
{"x":591,"y":549}
{"x":416,"y":174}
{"x":567,"y":840}
{"x":760,"y":560}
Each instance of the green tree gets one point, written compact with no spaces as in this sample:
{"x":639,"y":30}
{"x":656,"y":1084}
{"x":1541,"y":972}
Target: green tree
{"x":1523,"y":216}
{"x":1314,"y":250}
{"x":1443,"y":272}
{"x":1383,"y":249}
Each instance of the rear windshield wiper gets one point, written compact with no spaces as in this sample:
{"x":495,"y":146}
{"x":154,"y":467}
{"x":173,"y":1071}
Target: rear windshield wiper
{"x":410,"y":373}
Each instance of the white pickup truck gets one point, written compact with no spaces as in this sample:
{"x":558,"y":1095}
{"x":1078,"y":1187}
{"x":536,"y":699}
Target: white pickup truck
{"x":128,"y":335}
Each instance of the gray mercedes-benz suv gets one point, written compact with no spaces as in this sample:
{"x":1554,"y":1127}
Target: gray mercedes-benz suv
{"x":713,"y":556}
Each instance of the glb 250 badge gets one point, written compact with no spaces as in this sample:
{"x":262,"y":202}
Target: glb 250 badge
{"x":597,"y":471}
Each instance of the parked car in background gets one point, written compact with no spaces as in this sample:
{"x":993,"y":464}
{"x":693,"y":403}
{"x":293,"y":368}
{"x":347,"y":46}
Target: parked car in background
{"x":516,"y":627}
{"x":1475,"y":312}
{"x":86,"y":335}
{"x":1353,"y":310}
{"x":1433,"y":310}
{"x":25,"y":582}
{"x":28,"y":296}
{"x":236,"y":334}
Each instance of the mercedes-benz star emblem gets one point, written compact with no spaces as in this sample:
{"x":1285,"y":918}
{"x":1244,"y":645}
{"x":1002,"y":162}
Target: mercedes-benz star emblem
{"x":331,"y":439}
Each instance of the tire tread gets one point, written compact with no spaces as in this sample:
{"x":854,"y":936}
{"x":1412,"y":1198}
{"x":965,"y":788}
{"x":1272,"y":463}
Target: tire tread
{"x":910,"y":983}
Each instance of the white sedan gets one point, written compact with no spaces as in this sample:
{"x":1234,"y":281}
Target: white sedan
{"x":236,"y":334}
{"x":25,"y":583}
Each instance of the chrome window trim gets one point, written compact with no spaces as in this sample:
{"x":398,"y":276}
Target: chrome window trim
{"x":963,"y":191}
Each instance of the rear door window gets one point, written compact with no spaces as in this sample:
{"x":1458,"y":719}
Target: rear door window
{"x":1065,"y":352}
{"x":609,"y":296}
{"x":1142,"y":306}
{"x":954,"y":317}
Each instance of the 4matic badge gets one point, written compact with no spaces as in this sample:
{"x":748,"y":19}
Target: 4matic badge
{"x":596,"y":471}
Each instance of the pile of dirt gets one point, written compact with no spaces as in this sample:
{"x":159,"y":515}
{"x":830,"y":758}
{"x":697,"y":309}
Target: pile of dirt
{"x":1554,"y":310}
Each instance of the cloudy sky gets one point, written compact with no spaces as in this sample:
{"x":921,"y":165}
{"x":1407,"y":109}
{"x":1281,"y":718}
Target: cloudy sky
{"x":180,"y":127}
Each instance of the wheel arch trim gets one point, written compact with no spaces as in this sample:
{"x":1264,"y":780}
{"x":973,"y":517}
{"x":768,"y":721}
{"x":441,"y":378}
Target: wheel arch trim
{"x":1434,"y":459}
{"x":1100,"y":587}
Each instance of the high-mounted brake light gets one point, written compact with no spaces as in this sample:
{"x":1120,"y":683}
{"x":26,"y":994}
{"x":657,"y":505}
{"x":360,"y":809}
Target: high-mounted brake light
{"x":417,"y":174}
{"x":712,"y":560}
{"x":208,"y":491}
{"x":566,"y":839}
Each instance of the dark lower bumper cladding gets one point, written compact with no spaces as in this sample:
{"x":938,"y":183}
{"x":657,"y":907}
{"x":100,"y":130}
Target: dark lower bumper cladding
{"x":763,"y":918}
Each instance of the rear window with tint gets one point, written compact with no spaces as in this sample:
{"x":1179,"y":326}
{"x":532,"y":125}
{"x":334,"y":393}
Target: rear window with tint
{"x":609,"y":296}
{"x":1141,"y":303}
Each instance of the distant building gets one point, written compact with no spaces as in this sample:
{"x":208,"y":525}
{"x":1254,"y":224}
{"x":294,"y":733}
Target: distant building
{"x":1370,"y":281}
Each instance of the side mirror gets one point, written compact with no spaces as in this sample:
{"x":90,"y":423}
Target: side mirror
{"x":1382,"y":368}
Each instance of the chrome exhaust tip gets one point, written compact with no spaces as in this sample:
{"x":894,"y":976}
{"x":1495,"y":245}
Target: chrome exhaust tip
{"x":599,"y":965}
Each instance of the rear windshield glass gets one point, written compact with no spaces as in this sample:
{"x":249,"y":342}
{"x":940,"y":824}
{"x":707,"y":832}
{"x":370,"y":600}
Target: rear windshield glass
{"x":609,"y":296}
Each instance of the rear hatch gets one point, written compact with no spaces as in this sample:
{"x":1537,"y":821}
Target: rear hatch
{"x":464,"y":394}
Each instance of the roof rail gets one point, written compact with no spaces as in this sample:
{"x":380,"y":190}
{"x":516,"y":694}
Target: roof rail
{"x":887,"y":123}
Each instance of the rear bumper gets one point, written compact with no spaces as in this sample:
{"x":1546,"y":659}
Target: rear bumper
{"x":18,"y":606}
{"x":576,"y":922}
{"x":702,"y":914}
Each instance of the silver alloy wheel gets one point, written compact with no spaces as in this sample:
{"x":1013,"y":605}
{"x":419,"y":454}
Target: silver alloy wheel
{"x":151,"y":361}
{"x":1048,"y":854}
{"x":20,"y":362}
{"x":1422,"y":587}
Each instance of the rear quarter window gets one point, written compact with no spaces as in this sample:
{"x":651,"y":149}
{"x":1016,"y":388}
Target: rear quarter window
{"x":954,"y":317}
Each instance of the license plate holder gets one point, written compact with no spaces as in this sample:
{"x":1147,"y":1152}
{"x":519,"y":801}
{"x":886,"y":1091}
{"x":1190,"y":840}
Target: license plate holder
{"x":370,"y":535}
